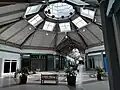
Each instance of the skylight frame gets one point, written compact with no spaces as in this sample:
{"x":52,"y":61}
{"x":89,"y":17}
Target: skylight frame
{"x":78,"y":2}
{"x":49,"y":26}
{"x":32,"y":9}
{"x":79,"y":22}
{"x":87,"y":13}
{"x":37,"y":19}
{"x":65,"y":27}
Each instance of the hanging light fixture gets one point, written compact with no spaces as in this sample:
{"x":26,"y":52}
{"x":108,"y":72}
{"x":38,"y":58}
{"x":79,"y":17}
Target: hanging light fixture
{"x":53,"y":16}
{"x":62,"y":16}
{"x":49,"y":12}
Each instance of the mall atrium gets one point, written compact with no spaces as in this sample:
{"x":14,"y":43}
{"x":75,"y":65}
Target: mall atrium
{"x":45,"y":36}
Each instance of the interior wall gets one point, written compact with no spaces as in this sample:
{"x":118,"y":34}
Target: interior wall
{"x":10,"y":56}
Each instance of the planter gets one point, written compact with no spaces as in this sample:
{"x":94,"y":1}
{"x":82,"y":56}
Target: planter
{"x":71,"y":80}
{"x":23,"y":79}
{"x":99,"y":77}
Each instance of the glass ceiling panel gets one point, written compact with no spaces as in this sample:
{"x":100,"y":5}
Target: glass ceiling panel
{"x":49,"y":26}
{"x":32,"y":9}
{"x":87,"y":13}
{"x":79,"y":22}
{"x":65,"y":27}
{"x":35,"y":20}
{"x":78,"y":2}
{"x":58,"y":10}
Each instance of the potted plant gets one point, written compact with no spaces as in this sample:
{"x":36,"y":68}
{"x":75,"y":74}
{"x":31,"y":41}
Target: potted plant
{"x":71,"y":75}
{"x":99,"y":73}
{"x":23,"y":76}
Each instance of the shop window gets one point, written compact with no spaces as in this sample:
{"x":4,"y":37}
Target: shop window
{"x":10,"y":66}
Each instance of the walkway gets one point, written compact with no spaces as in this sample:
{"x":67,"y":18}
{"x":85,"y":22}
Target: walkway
{"x":34,"y":84}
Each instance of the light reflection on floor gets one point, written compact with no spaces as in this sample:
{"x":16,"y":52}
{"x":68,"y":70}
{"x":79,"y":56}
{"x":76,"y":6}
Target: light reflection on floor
{"x":79,"y":78}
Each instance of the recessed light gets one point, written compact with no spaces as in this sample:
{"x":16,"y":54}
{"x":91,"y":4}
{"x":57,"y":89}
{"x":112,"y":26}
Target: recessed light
{"x":66,"y":36}
{"x":30,"y":28}
{"x":46,"y":33}
{"x":84,"y":30}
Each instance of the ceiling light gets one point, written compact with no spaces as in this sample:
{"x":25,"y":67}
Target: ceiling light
{"x":84,"y":30}
{"x":46,"y":33}
{"x":30,"y":28}
{"x":66,"y":36}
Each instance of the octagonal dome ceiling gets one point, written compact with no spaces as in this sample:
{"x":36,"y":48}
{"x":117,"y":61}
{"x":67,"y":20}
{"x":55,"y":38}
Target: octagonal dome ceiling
{"x":52,"y":25}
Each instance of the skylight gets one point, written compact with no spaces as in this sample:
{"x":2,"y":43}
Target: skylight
{"x":49,"y":26}
{"x":78,"y":2}
{"x":32,"y":9}
{"x":35,"y":20}
{"x":53,"y":0}
{"x":87,"y":13}
{"x":59,"y":10}
{"x":79,"y":22}
{"x":65,"y":27}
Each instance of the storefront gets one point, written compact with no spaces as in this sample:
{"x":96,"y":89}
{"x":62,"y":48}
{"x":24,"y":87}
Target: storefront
{"x":97,"y":59}
{"x":43,"y":62}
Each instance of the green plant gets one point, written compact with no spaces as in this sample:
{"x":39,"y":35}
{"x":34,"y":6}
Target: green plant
{"x":24,"y":70}
{"x":23,"y":76}
{"x":99,"y":70}
{"x":34,"y":72}
{"x":71,"y":74}
{"x":99,"y":73}
{"x":70,"y":70}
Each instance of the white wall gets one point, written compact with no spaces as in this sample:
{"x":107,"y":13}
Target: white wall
{"x":12,"y":53}
{"x":4,"y":55}
{"x":98,"y":48}
{"x":10,"y":56}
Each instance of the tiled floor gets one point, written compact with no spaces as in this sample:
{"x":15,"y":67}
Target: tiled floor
{"x":84,"y":82}
{"x":102,"y":85}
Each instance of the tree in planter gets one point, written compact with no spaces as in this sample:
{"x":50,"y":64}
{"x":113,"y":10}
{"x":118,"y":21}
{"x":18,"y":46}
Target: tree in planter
{"x":71,"y":75}
{"x":99,"y":73}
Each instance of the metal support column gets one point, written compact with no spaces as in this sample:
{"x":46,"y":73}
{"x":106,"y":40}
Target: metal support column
{"x":110,"y":47}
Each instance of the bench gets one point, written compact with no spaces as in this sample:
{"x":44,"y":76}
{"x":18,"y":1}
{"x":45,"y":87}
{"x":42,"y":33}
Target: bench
{"x":52,"y":77}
